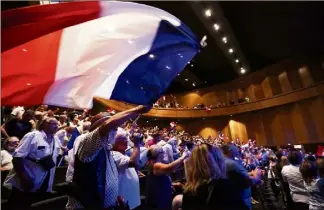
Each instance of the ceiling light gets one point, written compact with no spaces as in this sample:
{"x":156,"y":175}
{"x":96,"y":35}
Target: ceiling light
{"x":178,"y":74}
{"x":151,"y":56}
{"x":186,"y":79}
{"x":224,"y":39}
{"x":193,"y":84}
{"x":208,"y":12}
{"x":189,"y":62}
{"x":216,"y":26}
{"x":237,"y":60}
{"x":231,"y":50}
{"x":242,"y":70}
{"x":191,"y":65}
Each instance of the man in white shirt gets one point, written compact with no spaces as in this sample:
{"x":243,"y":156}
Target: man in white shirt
{"x":30,"y":174}
{"x":128,"y":186}
{"x":167,"y":152}
{"x":292,"y":175}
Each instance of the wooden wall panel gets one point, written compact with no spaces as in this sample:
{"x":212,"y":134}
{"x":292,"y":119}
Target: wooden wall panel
{"x":286,"y":125}
{"x":296,"y":123}
{"x":275,"y":85}
{"x":266,"y":87}
{"x":305,"y":107}
{"x":294,"y":79}
{"x":259,"y":94}
{"x":238,"y":130}
{"x":284,"y":82}
{"x":316,"y":109}
{"x":317,"y":71}
{"x":305,"y":76}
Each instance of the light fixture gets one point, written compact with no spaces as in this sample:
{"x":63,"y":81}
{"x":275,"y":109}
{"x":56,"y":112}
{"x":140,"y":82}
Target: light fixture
{"x":168,"y":67}
{"x":152,"y":56}
{"x":216,"y":26}
{"x":224,"y":39}
{"x":231,"y":50}
{"x":189,"y":62}
{"x":178,"y":74}
{"x":242,"y":70}
{"x":193,"y":84}
{"x":205,"y":82}
{"x":208,"y":12}
{"x":186,"y":79}
{"x":191,"y":65}
{"x":237,"y":60}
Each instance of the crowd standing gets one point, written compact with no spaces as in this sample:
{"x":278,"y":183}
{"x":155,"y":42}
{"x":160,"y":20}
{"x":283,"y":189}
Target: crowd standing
{"x":107,"y":155}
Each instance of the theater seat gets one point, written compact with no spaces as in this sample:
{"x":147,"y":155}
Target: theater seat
{"x":54,"y":203}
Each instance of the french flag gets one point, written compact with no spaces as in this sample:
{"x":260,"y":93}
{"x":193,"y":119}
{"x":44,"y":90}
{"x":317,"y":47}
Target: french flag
{"x":66,"y":54}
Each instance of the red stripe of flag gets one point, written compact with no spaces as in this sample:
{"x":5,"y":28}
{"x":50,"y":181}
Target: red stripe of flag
{"x":39,"y":57}
{"x":25,"y":24}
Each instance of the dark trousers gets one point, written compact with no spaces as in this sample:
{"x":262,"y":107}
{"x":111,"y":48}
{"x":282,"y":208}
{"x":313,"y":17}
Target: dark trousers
{"x":301,"y":206}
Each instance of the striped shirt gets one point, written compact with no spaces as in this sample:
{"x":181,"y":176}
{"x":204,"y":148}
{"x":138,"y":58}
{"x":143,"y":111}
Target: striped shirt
{"x":316,"y":200}
{"x":89,"y":147}
{"x":292,"y":175}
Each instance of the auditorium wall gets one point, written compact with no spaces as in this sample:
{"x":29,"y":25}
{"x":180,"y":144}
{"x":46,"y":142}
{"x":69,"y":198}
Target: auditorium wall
{"x":283,"y":77}
{"x":298,"y":123}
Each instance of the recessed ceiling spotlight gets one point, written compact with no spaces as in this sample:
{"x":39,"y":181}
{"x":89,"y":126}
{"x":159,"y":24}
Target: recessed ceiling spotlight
{"x":193,"y":84}
{"x":205,"y":82}
{"x":237,"y":60}
{"x":186,"y":79}
{"x":152,"y":56}
{"x":208,"y":12}
{"x":242,"y":70}
{"x":224,"y":39}
{"x":191,"y":65}
{"x":231,"y":50}
{"x":216,"y":26}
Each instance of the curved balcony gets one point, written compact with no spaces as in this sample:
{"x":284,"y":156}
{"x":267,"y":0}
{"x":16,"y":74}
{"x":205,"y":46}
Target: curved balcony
{"x":278,"y":100}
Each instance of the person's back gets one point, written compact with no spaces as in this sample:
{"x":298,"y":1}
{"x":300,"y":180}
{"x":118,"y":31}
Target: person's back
{"x":224,"y":197}
{"x":291,"y":174}
{"x":238,"y":175}
{"x":159,"y":194}
{"x":316,"y":200}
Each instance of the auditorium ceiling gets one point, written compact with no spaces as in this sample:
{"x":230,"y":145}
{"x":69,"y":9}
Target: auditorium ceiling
{"x":242,"y":37}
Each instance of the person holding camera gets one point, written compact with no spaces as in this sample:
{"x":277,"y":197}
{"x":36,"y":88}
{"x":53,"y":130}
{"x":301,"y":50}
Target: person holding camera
{"x":126,"y":166}
{"x":34,"y":163}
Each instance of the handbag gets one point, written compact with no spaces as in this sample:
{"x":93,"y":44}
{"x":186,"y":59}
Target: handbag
{"x":46,"y":162}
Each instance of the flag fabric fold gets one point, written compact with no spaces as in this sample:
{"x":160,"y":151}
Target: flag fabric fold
{"x":70,"y":53}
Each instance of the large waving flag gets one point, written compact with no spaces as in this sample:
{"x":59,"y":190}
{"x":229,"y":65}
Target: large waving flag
{"x":66,"y":54}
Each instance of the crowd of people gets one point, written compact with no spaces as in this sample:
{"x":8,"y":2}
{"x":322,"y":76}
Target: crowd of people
{"x":107,"y":154}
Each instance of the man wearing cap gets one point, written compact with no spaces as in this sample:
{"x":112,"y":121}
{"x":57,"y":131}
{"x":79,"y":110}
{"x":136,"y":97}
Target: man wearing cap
{"x":95,"y":172}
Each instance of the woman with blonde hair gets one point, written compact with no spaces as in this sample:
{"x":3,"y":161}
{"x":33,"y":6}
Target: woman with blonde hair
{"x":207,"y":186}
